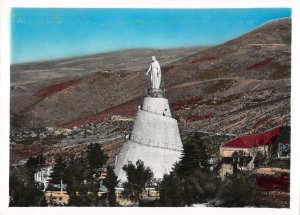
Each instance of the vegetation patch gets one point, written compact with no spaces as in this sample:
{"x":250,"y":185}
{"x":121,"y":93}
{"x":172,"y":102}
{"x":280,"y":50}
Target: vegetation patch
{"x":261,"y":121}
{"x":238,"y":190}
{"x":219,"y":86}
{"x":107,"y":75}
{"x":178,"y":105}
{"x":124,"y":74}
{"x":211,"y":74}
{"x":124,"y":109}
{"x":281,"y":71}
{"x":167,"y":69}
{"x":260,"y":64}
{"x":193,"y":118}
{"x":203,"y":59}
{"x":222,"y":100}
{"x":48,"y":91}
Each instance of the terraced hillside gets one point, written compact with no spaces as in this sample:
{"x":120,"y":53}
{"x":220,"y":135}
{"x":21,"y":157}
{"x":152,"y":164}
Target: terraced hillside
{"x":241,"y":86}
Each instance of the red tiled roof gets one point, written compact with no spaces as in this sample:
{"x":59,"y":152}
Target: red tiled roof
{"x":255,"y":140}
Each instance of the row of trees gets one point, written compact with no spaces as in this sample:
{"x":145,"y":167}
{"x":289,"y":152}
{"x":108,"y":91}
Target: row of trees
{"x":191,"y":181}
{"x":81,"y":177}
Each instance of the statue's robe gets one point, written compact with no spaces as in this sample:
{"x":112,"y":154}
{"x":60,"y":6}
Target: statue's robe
{"x":155,"y":74}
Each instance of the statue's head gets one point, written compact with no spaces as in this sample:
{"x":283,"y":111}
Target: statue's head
{"x":153,"y":58}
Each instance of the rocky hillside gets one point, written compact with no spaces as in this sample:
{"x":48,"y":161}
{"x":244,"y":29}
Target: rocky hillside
{"x":36,"y":85}
{"x":241,"y":86}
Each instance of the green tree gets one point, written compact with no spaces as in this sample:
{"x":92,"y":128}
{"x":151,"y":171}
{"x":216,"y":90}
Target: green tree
{"x":82,"y":183}
{"x":96,"y":156}
{"x":191,"y":180}
{"x":83,"y":193}
{"x":71,"y":171}
{"x":111,"y":181}
{"x":171,"y":190}
{"x":33,"y":163}
{"x":77,"y":170}
{"x":195,"y":156}
{"x":23,"y":190}
{"x":138,"y":176}
{"x":199,"y":187}
{"x":238,"y":190}
{"x":58,"y":171}
{"x":82,"y":178}
{"x":25,"y":195}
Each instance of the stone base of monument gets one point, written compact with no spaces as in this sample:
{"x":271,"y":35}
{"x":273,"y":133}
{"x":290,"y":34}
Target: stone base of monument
{"x":154,"y":139}
{"x":159,"y":160}
{"x":156,"y":93}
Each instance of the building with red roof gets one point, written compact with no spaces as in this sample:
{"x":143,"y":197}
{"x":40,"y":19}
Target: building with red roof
{"x":250,"y":144}
{"x":247,"y":152}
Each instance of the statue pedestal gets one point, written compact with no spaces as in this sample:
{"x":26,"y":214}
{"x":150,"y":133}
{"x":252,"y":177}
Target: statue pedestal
{"x":155,"y":139}
{"x":156,"y":93}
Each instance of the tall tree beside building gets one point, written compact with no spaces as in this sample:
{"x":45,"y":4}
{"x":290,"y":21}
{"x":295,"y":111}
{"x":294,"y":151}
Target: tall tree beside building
{"x":96,"y":156}
{"x":138,"y":176}
{"x":191,"y":180}
{"x":82,"y":178}
{"x":58,"y":171}
{"x":195,"y":155}
{"x":33,"y":163}
{"x":111,"y":181}
{"x":82,"y":185}
{"x":171,"y":190}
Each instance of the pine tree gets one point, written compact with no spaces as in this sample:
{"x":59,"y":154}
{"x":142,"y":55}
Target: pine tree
{"x":82,"y":185}
{"x":190,"y":181}
{"x":35,"y":161}
{"x":111,"y":181}
{"x":32,"y":165}
{"x":58,"y":171}
{"x":96,"y":156}
{"x":194,"y":156}
{"x":171,"y":190}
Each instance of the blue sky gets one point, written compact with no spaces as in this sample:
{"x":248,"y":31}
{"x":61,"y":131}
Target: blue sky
{"x":44,"y":34}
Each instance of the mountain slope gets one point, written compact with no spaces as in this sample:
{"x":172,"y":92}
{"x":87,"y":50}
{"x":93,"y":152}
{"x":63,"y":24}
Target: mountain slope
{"x":240,"y":86}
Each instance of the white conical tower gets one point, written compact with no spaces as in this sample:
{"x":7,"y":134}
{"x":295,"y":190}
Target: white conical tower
{"x":154,"y":139}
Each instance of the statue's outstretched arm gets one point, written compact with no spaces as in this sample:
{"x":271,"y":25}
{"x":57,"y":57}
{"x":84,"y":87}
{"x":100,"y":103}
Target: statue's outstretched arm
{"x":148,"y":70}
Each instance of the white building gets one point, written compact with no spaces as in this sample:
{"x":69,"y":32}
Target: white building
{"x":43,"y":175}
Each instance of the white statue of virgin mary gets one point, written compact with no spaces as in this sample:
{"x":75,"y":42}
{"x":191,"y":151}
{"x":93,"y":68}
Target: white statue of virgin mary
{"x":155,"y":73}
